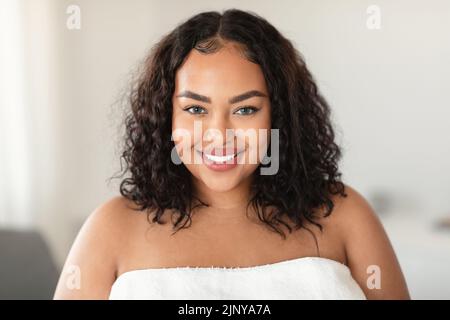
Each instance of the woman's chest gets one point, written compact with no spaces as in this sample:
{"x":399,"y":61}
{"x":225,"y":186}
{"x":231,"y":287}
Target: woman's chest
{"x":225,"y":245}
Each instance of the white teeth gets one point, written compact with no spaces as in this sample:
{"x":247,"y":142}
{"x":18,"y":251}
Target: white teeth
{"x":219,"y":158}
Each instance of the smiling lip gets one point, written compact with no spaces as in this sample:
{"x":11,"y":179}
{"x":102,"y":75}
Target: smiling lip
{"x":220,"y":160}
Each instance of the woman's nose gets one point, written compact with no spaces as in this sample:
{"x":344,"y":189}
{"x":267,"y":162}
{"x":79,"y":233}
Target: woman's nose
{"x":217,"y":127}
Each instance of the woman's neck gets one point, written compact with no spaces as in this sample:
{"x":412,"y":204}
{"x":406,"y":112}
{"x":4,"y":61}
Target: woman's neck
{"x":228,"y":204}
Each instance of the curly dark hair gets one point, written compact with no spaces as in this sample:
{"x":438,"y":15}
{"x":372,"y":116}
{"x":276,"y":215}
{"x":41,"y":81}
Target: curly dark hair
{"x":308,"y":173}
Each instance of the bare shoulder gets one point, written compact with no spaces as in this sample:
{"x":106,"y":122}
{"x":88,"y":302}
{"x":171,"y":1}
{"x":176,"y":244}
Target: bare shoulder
{"x":108,"y":224}
{"x":90,"y":267}
{"x":370,"y":255}
{"x":113,"y":215}
{"x":352,"y":212}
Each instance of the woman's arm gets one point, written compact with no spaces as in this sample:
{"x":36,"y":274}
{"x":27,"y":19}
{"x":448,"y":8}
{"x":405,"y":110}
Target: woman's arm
{"x":90,"y":268}
{"x":370,"y":255}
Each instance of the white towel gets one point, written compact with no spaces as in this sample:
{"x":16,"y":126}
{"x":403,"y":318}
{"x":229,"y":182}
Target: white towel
{"x":301,"y":278}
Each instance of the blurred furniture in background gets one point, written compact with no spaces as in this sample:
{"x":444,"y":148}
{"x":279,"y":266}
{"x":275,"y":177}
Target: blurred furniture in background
{"x":423,"y":250}
{"x":27,"y":270}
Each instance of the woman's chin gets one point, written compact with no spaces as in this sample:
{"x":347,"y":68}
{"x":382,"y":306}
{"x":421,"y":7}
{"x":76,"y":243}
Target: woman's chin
{"x":222,"y":184}
{"x":222,"y":181}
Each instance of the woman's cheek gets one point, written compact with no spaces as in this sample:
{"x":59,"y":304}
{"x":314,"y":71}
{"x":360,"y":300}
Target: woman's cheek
{"x":182,"y":135}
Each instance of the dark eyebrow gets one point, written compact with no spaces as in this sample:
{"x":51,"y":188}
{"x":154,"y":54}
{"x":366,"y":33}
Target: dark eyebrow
{"x":246,"y":95}
{"x":236,"y":99}
{"x":195,"y":96}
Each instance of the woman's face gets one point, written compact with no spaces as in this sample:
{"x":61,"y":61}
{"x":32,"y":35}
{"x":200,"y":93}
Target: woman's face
{"x":221,"y":117}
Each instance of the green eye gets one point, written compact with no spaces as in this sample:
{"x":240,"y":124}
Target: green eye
{"x":195,"y":110}
{"x":244,"y":111}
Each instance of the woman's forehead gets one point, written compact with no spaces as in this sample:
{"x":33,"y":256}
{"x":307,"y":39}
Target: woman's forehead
{"x":225,"y":70}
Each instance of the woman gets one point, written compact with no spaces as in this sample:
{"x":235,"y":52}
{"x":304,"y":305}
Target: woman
{"x":197,"y":218}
